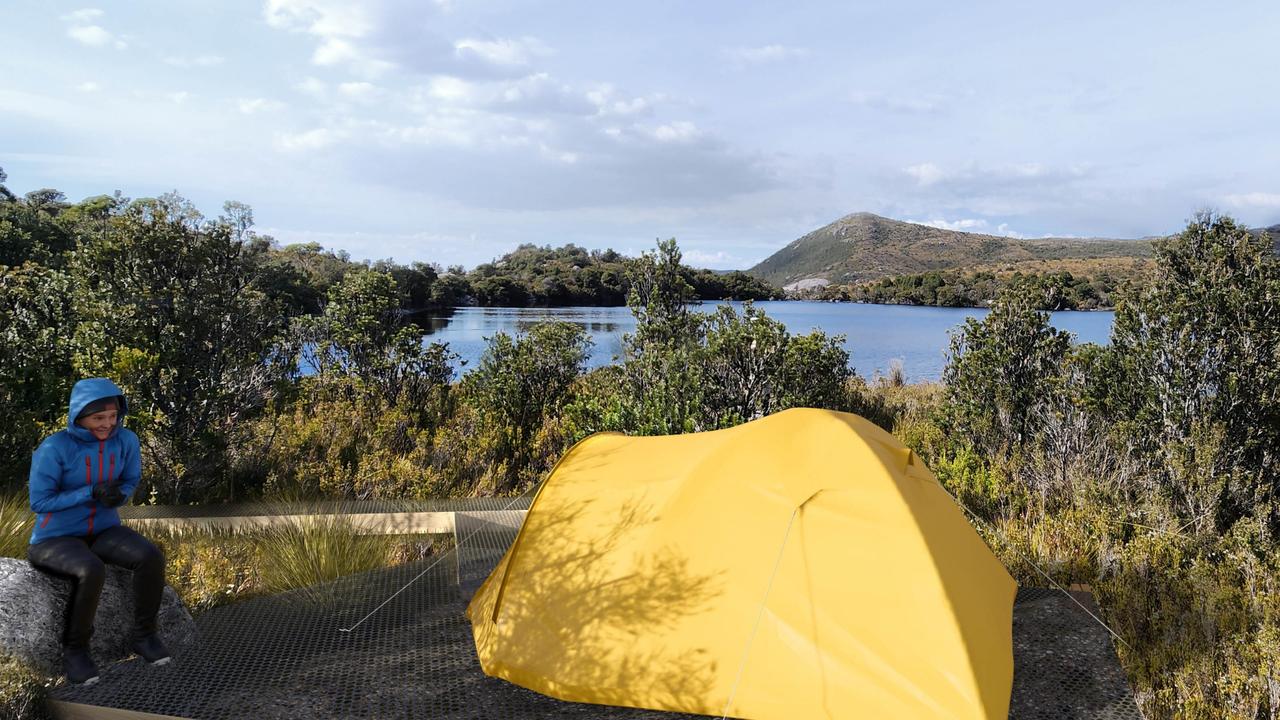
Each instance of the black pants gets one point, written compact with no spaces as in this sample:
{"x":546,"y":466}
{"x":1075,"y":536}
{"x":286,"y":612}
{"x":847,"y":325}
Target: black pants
{"x":80,"y":559}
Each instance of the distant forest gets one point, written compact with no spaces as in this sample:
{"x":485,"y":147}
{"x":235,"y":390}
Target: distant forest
{"x":1055,"y":290}
{"x":42,"y":227}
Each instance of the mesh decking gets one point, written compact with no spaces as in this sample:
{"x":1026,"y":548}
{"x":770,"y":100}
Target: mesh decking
{"x":286,"y":657}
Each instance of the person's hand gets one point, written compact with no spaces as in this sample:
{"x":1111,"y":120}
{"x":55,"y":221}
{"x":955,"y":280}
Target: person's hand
{"x":115,"y":496}
{"x":108,"y":494}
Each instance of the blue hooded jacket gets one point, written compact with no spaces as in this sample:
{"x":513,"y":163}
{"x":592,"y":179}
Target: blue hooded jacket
{"x":70,"y":462}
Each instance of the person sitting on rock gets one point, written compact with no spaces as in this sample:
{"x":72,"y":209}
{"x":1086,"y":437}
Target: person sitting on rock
{"x":79,"y":476}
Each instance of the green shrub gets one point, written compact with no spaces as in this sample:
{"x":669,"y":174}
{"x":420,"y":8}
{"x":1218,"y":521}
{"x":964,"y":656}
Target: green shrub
{"x":1195,"y":354}
{"x":519,"y":383}
{"x":999,"y":368}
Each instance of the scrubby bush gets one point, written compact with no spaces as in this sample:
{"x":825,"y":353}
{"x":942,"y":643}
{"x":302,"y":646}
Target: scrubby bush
{"x":752,"y":366}
{"x":998,"y":369}
{"x":519,"y":383}
{"x":1196,"y":354}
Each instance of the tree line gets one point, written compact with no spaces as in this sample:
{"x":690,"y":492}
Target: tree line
{"x":1056,"y":290}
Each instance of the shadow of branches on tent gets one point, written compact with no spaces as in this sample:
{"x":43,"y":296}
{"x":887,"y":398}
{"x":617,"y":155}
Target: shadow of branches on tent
{"x":581,"y":618}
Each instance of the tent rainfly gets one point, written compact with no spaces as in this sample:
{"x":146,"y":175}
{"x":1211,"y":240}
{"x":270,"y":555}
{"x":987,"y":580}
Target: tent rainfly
{"x":803,"y":565}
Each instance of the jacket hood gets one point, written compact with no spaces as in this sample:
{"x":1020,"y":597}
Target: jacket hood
{"x":85,"y":392}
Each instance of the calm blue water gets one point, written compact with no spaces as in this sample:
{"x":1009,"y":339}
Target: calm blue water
{"x":875,"y":334}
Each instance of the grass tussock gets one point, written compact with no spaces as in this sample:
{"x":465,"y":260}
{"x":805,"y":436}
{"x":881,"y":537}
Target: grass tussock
{"x":16,"y":523}
{"x":23,"y":691}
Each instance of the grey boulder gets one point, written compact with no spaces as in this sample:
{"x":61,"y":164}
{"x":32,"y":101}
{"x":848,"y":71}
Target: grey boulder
{"x":33,"y":609}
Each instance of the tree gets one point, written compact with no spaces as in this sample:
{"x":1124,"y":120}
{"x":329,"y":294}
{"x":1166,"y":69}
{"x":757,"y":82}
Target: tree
{"x":660,"y":359}
{"x":450,"y":289}
{"x":520,"y":382}
{"x":752,"y":367}
{"x":363,"y":336}
{"x":743,"y":366}
{"x":35,"y":363}
{"x":170,"y":308}
{"x":999,"y":368}
{"x":1196,"y":354}
{"x":30,"y":228}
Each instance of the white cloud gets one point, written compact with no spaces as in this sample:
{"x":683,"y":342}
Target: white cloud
{"x":360,"y":91}
{"x":197,"y":61}
{"x":339,"y":26}
{"x":318,"y":17}
{"x":316,"y":139}
{"x":922,"y":104}
{"x":719,"y":260}
{"x":677,"y":132}
{"x":375,"y":37}
{"x":450,"y":89}
{"x":534,"y":95}
{"x":82,"y":16}
{"x":438,"y":247}
{"x":608,"y":101}
{"x":1261,"y":200}
{"x":450,"y":111}
{"x":973,"y":225}
{"x":1003,"y":229}
{"x":964,"y":225}
{"x":925,"y":174}
{"x":974,"y":178}
{"x":503,"y":52}
{"x":91,"y":35}
{"x":249,"y":106}
{"x":548,"y":161}
{"x":89,"y":86}
{"x":83,"y":29}
{"x":179,"y":97}
{"x":763,"y":54}
{"x":313,"y":87}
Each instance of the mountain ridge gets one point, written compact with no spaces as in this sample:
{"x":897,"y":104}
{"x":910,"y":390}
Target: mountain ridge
{"x":863,"y":246}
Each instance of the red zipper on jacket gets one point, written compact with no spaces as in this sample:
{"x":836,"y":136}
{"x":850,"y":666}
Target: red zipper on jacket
{"x":93,"y":509}
{"x":88,"y":480}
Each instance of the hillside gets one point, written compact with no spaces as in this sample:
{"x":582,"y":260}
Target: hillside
{"x":864,"y":246}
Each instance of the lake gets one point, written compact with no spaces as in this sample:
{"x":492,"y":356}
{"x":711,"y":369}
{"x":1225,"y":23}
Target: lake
{"x":875,"y":334}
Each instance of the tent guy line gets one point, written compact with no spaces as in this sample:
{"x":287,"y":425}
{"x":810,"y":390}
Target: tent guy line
{"x":1044,"y":574}
{"x":760,"y":614}
{"x":438,"y":560}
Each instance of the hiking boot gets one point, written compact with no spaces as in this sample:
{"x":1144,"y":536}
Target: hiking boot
{"x":151,"y":649}
{"x":78,"y":666}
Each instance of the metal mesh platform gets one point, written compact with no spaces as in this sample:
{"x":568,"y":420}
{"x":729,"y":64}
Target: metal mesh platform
{"x":286,"y":656}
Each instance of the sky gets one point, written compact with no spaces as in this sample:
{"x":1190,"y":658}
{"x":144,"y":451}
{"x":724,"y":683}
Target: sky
{"x":451,"y":131}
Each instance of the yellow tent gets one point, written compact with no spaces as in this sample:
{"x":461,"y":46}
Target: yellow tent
{"x":803,"y":565}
